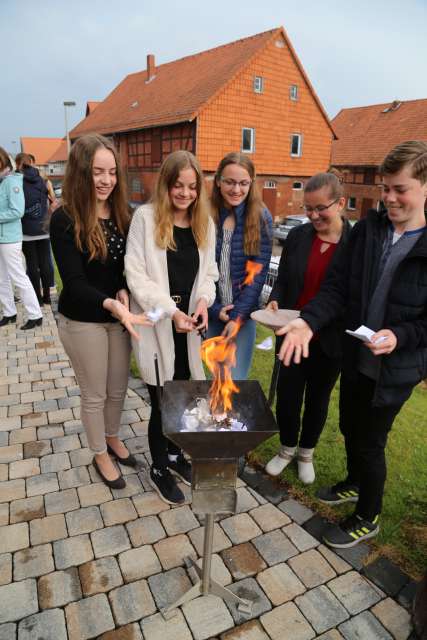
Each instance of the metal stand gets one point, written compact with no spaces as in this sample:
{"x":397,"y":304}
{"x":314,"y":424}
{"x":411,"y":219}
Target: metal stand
{"x":206,"y":585}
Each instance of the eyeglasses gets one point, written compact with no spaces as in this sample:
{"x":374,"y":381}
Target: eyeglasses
{"x":320,"y":207}
{"x":243,"y":184}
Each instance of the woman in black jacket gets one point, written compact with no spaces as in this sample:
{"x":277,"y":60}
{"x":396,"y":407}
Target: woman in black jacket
{"x":309,"y":251}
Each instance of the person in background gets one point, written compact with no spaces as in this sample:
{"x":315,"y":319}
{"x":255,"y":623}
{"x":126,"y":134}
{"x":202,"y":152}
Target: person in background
{"x":171,"y":269}
{"x":88,"y":235}
{"x":380,"y":282}
{"x":12,"y":272}
{"x":244,"y":233}
{"x":309,"y":252}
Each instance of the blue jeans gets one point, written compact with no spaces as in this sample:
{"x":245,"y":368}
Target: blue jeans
{"x":245,"y":346}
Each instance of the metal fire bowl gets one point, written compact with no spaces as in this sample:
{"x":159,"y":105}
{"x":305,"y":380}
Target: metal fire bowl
{"x":249,"y":406}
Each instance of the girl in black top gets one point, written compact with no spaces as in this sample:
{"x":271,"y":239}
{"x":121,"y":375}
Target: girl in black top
{"x":88,"y":235}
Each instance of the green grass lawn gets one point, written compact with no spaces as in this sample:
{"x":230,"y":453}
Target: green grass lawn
{"x":403,"y":534}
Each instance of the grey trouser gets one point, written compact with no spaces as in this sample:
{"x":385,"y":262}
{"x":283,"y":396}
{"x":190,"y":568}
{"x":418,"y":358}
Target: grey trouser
{"x":99,"y":354}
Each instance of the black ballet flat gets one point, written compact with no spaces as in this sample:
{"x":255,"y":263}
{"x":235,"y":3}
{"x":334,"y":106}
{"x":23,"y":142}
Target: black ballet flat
{"x":130,"y":461}
{"x":7,"y":320}
{"x":118,"y":483}
{"x":31,"y":324}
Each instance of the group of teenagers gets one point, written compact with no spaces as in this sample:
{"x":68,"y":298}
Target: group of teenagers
{"x":160,"y":279}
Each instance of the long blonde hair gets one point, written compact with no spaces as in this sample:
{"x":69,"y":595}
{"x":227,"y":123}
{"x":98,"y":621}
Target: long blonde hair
{"x":254,"y":204}
{"x":79,"y":196}
{"x":163,"y":211}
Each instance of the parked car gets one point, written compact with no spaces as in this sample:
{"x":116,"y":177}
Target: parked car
{"x":280,"y":232}
{"x":273,"y":270}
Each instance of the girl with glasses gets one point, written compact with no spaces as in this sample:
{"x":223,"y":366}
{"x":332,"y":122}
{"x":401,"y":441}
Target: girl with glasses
{"x":309,"y":252}
{"x":244,"y":233}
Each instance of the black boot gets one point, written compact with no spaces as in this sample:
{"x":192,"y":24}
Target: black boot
{"x":30,"y":324}
{"x":7,"y":320}
{"x":46,"y":296}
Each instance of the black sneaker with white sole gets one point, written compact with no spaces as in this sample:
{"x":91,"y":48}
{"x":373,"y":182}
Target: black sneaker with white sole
{"x":165,"y":484}
{"x":181,"y":468}
{"x":338,"y":493}
{"x":350,"y":532}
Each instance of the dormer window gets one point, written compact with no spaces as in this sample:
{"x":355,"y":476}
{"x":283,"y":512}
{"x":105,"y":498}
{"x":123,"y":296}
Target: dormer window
{"x":258,"y":84}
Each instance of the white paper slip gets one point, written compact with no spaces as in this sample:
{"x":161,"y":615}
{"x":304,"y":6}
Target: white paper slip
{"x":365,"y":334}
{"x":155,"y":314}
{"x":266,"y":344}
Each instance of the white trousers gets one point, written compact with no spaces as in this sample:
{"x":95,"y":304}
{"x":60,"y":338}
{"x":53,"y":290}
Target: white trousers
{"x":12,"y":272}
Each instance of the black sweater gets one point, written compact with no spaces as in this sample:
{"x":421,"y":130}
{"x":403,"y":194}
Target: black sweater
{"x":86,"y":283}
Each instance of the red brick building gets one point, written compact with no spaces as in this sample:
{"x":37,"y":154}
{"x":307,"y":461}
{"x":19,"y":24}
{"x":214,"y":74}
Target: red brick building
{"x":251,"y":95}
{"x":365,"y":136}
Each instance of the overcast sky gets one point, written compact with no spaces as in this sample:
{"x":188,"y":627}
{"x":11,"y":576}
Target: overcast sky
{"x":355,"y":53}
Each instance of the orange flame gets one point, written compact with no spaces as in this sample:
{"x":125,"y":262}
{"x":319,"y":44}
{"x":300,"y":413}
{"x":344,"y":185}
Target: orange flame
{"x":252,"y":270}
{"x":219,"y":355}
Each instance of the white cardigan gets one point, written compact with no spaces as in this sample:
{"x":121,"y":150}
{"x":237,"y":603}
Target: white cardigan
{"x":148,"y":281}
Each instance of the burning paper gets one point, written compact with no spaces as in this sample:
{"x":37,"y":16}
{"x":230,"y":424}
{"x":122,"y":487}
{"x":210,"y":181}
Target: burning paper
{"x":200,"y":418}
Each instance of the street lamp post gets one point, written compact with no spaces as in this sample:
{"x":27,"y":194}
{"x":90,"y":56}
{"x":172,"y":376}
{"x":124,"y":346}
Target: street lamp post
{"x":67,"y":103}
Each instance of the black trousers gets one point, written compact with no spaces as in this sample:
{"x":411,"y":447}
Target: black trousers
{"x":39,"y":265}
{"x":159,"y":445}
{"x":365,"y":429}
{"x":315,"y":377}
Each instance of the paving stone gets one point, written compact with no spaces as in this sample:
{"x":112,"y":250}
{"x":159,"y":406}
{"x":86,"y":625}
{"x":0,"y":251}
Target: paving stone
{"x":173,"y":551}
{"x":76,"y":477}
{"x":355,"y":593}
{"x":44,"y":483}
{"x":11,"y":453}
{"x":275,"y":547}
{"x":245,"y":500}
{"x":406,"y":595}
{"x":69,"y":403}
{"x":33,"y":562}
{"x":168,"y":586}
{"x":10,"y":399}
{"x":219,"y":571}
{"x":149,"y":503}
{"x":4,"y":437}
{"x":59,"y":588}
{"x":73,"y":426}
{"x":38,"y":419}
{"x":24,"y":468}
{"x":66,"y":443}
{"x":207,"y":616}
{"x":55,"y":462}
{"x":355,"y":556}
{"x":300,"y":538}
{"x":145,"y":530}
{"x":61,"y":501}
{"x":332,"y":634}
{"x":132,"y":602}
{"x":322,"y":609}
{"x":9,"y":424}
{"x":84,"y":520}
{"x":21,"y":436}
{"x":243,"y":561}
{"x":365,"y":626}
{"x":46,"y":405}
{"x":128,"y":632}
{"x":48,"y":529}
{"x":240,"y":528}
{"x":50,"y":431}
{"x":37,"y":449}
{"x":14,"y":537}
{"x":133,"y":486}
{"x":12,"y":490}
{"x":118,"y":511}
{"x":100,"y":576}
{"x":94,"y":494}
{"x":4,"y":472}
{"x":5,"y":568}
{"x":179,"y":520}
{"x":288,"y":617}
{"x":311,"y":568}
{"x":269,"y":517}
{"x":280,"y":583}
{"x":8,"y":631}
{"x":21,"y":410}
{"x":110,"y":541}
{"x":394,"y":618}
{"x":220,"y":540}
{"x":386,"y":575}
{"x":337,"y":563}
{"x":298,"y":512}
{"x":32,"y":396}
{"x":49,"y":625}
{"x":26,"y":509}
{"x":72,"y":551}
{"x":4,"y":514}
{"x":18,"y":600}
{"x":128,"y":417}
{"x":251,"y":630}
{"x":139,"y":563}
{"x":157,"y":628}
{"x":89,"y":617}
{"x":81,"y":457}
{"x":250,"y":590}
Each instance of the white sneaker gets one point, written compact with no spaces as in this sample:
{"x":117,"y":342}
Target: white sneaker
{"x":276,"y":465}
{"x":305,"y":465}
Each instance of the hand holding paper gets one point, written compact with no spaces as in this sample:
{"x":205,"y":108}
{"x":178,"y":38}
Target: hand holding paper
{"x":380,"y":342}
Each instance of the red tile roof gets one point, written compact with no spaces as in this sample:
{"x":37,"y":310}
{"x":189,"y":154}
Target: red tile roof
{"x":179,"y":89}
{"x":91,"y":106}
{"x":61,"y":154}
{"x":41,"y":148}
{"x":367,"y":134}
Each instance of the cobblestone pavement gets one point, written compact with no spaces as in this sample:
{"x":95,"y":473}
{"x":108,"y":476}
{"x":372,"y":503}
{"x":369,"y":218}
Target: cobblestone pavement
{"x":80,"y":561}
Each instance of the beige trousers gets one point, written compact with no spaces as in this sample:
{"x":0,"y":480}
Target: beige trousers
{"x":99,"y":354}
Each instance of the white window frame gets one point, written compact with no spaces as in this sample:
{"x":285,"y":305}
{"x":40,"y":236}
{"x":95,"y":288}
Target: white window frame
{"x":293,"y":92}
{"x":301,"y":185}
{"x":270,"y":184}
{"x":349,"y":205}
{"x":299,"y":152}
{"x":258,"y":84}
{"x":252,"y":139}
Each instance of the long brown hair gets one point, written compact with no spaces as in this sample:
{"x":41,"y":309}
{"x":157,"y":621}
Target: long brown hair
{"x":79,"y":196}
{"x":254,"y":204}
{"x":5,"y":162}
{"x":163,"y":211}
